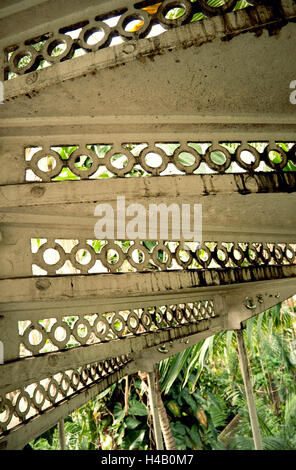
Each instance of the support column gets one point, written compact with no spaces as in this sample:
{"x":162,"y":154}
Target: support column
{"x":62,"y":437}
{"x":243,"y":359}
{"x":154,"y":408}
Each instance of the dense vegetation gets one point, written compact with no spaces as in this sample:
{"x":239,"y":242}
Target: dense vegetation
{"x":203,"y":393}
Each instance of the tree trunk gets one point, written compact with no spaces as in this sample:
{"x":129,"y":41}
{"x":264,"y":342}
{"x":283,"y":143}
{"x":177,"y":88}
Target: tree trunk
{"x":227,"y":434}
{"x":163,"y":417}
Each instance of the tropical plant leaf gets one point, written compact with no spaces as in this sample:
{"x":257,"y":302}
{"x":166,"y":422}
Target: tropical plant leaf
{"x":136,"y":408}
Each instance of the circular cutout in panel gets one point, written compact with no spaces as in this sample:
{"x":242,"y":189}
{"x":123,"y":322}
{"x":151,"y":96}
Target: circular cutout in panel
{"x":133,"y":23}
{"x":83,"y":162}
{"x":52,"y":168}
{"x":23,"y":60}
{"x":179,"y":315}
{"x":161,"y":256}
{"x":265,"y":253}
{"x":23,"y":404}
{"x":93,"y":372}
{"x":188,"y":314}
{"x":247,"y":157}
{"x":46,"y":164}
{"x":252,"y":254}
{"x":132,"y":322}
{"x":58,"y":48}
{"x":184,"y":256}
{"x":218,"y":158}
{"x":158,"y":317}
{"x":221,"y":255}
{"x":50,"y":256}
{"x":65,"y":385}
{"x":275,"y":157}
{"x":60,"y":334}
{"x":204,"y":256}
{"x":94,"y":35}
{"x":125,"y":163}
{"x":137,"y":256}
{"x":289,"y":254}
{"x":112,"y":256}
{"x":186,"y":159}
{"x":169,"y":316}
{"x":83,"y":257}
{"x":82,"y":330}
{"x":278,"y":254}
{"x":154,"y":160}
{"x":52,"y":390}
{"x":34,"y":338}
{"x":84,"y":376}
{"x":146,"y":320}
{"x":118,"y":324}
{"x":237,"y":255}
{"x":39,"y":397}
{"x":119,"y":161}
{"x":101,"y":328}
{"x":75,"y":379}
{"x":174,"y":13}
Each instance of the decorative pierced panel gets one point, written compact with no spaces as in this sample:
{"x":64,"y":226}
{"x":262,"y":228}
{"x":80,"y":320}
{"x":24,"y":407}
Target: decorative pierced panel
{"x":25,"y":403}
{"x":61,"y":333}
{"x":52,"y":334}
{"x":141,"y":19}
{"x":83,"y":161}
{"x":97,"y":256}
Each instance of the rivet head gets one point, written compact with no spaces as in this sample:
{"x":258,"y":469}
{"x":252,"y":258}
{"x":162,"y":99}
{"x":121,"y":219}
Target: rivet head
{"x":43,"y":284}
{"x":37,"y":191}
{"x":129,"y":48}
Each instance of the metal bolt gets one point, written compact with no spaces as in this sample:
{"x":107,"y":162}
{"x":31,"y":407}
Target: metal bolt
{"x":260,"y":298}
{"x":129,"y":48}
{"x":162,"y":349}
{"x":249,"y":303}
